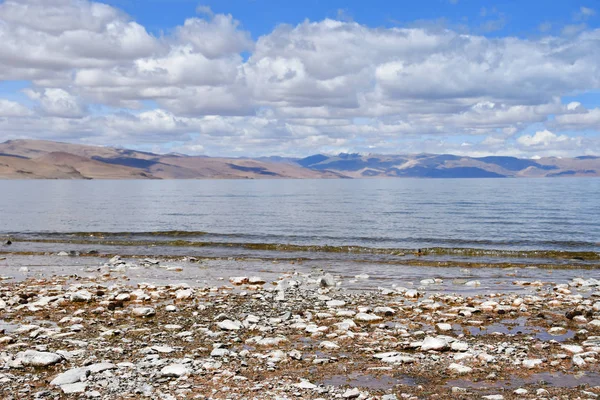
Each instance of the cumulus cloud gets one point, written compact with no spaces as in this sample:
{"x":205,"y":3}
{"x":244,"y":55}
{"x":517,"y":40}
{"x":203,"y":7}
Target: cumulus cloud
{"x":316,"y":86}
{"x":57,"y":102}
{"x":542,"y":138}
{"x":13,"y":109}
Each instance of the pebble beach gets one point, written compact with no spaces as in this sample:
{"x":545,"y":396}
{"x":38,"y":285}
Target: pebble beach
{"x":294,"y":335}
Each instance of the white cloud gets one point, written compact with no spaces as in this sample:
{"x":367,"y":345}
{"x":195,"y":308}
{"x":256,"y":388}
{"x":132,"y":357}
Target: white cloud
{"x":542,"y":138}
{"x":295,"y":89}
{"x":583,"y":120}
{"x":57,"y":102}
{"x":13,"y":109}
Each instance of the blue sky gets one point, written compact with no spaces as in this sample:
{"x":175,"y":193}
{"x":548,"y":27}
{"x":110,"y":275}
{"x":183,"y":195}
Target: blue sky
{"x":261,"y":77}
{"x":519,"y":18}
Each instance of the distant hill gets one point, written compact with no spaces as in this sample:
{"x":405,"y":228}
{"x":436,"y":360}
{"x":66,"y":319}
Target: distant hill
{"x":38,"y":159}
{"x":451,"y":166}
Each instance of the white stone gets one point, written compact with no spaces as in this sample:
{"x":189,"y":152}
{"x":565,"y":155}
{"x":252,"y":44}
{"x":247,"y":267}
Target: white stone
{"x":459,"y":346}
{"x":432,"y":343}
{"x":174,"y":370}
{"x":305,"y":385}
{"x":351,"y":393}
{"x":238,"y":280}
{"x":82,"y":295}
{"x":459,"y":368}
{"x":387,"y":311}
{"x":329,"y":345}
{"x":594,"y":323}
{"x":335,"y":303}
{"x":532,"y":363}
{"x":70,"y":376}
{"x":33,"y":358}
{"x":184,"y":294}
{"x":229,"y":325}
{"x":72,"y":388}
{"x":444,"y":327}
{"x":364,"y":317}
{"x":101,"y":367}
{"x":571,"y":348}
{"x":256,"y":280}
{"x":219,"y":352}
{"x":143,"y":312}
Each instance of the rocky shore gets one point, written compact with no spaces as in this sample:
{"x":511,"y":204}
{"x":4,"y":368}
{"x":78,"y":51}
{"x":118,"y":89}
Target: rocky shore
{"x":302,"y":335}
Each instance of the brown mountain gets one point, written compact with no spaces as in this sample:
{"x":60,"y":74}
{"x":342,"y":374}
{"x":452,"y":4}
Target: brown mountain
{"x":38,"y":159}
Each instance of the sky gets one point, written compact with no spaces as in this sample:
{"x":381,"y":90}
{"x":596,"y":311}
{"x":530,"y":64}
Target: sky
{"x":268,"y":77}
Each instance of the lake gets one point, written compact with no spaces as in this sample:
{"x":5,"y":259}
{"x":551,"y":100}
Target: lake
{"x":553,"y":214}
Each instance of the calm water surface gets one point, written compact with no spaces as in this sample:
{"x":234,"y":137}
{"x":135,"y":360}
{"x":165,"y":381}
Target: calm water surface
{"x":399,"y":213}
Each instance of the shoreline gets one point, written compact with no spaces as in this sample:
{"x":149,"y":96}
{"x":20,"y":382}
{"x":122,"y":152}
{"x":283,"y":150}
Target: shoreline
{"x":294,"y":334}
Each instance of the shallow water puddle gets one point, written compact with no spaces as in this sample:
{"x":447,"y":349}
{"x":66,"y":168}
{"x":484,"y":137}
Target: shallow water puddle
{"x":514,"y":327}
{"x":554,"y":379}
{"x":369,"y":381}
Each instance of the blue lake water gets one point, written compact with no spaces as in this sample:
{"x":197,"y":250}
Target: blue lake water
{"x":561,"y":214}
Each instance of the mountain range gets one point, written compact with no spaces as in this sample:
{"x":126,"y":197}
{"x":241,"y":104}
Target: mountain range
{"x":38,"y":159}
